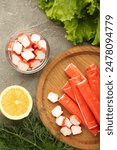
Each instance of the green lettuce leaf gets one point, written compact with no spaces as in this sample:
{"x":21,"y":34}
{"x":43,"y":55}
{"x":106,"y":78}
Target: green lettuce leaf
{"x":45,"y":4}
{"x":80,"y":30}
{"x":62,"y":10}
{"x":84,"y":7}
{"x":79,"y":17}
{"x":97,"y":35}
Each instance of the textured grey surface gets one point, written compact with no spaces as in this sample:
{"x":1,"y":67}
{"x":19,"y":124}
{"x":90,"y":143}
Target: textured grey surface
{"x":18,"y":15}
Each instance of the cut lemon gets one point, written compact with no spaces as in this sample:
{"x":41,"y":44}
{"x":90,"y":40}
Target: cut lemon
{"x":15,"y":102}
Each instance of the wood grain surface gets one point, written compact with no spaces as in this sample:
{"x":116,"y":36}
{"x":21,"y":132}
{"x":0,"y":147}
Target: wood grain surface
{"x":52,"y":79}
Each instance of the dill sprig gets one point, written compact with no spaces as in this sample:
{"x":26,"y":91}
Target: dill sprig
{"x":28,"y":134}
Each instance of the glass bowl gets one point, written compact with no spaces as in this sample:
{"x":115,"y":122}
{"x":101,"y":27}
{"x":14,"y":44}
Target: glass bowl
{"x":27,"y":52}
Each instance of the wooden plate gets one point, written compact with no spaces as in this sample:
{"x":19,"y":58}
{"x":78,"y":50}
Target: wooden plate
{"x":52,"y":79}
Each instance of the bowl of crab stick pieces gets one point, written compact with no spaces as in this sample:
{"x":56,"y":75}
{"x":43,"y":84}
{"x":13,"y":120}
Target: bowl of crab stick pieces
{"x":27,"y":52}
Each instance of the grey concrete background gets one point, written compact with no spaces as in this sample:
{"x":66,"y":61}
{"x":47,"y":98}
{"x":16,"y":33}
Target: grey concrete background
{"x":18,"y":15}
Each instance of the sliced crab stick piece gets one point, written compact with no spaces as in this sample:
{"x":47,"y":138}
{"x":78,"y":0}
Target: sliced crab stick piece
{"x":24,"y":40}
{"x":43,"y":50}
{"x":68,"y":90}
{"x":17,"y":47}
{"x":16,"y":59}
{"x":42,"y":44}
{"x":53,"y":97}
{"x":67,"y":122}
{"x":93,"y":74}
{"x":70,"y":106}
{"x":76,"y":130}
{"x":34,"y":63}
{"x":35,"y":38}
{"x":75,"y":120}
{"x":27,"y":55}
{"x":60,"y":120}
{"x":40,"y":55}
{"x":90,"y":98}
{"x":72,"y":71}
{"x":23,"y":66}
{"x":84,"y":109}
{"x":10,"y":46}
{"x":65,"y":131}
{"x":57,"y":111}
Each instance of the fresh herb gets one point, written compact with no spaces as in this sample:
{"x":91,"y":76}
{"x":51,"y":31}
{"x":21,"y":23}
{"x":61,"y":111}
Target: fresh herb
{"x":79,"y":17}
{"x":28,"y":134}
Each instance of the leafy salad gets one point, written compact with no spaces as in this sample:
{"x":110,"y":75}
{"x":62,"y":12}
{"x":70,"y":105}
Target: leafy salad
{"x":81,"y":18}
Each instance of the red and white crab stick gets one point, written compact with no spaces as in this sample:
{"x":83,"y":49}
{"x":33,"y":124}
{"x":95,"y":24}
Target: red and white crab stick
{"x":84,"y":109}
{"x":70,"y":106}
{"x":93,"y":75}
{"x":72,"y":71}
{"x":68,"y":90}
{"x":90,"y":98}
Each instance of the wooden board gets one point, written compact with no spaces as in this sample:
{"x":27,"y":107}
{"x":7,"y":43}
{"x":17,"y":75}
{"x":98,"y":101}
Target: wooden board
{"x":52,"y":79}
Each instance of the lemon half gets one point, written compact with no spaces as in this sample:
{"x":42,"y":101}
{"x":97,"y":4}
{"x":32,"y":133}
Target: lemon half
{"x":15,"y":102}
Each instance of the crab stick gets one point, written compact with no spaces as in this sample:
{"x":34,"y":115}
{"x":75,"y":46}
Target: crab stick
{"x":68,"y":90}
{"x":93,"y":74}
{"x":93,"y":66}
{"x":70,"y":106}
{"x":72,"y":71}
{"x":95,"y":130}
{"x":90,"y":98}
{"x":84,"y":109}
